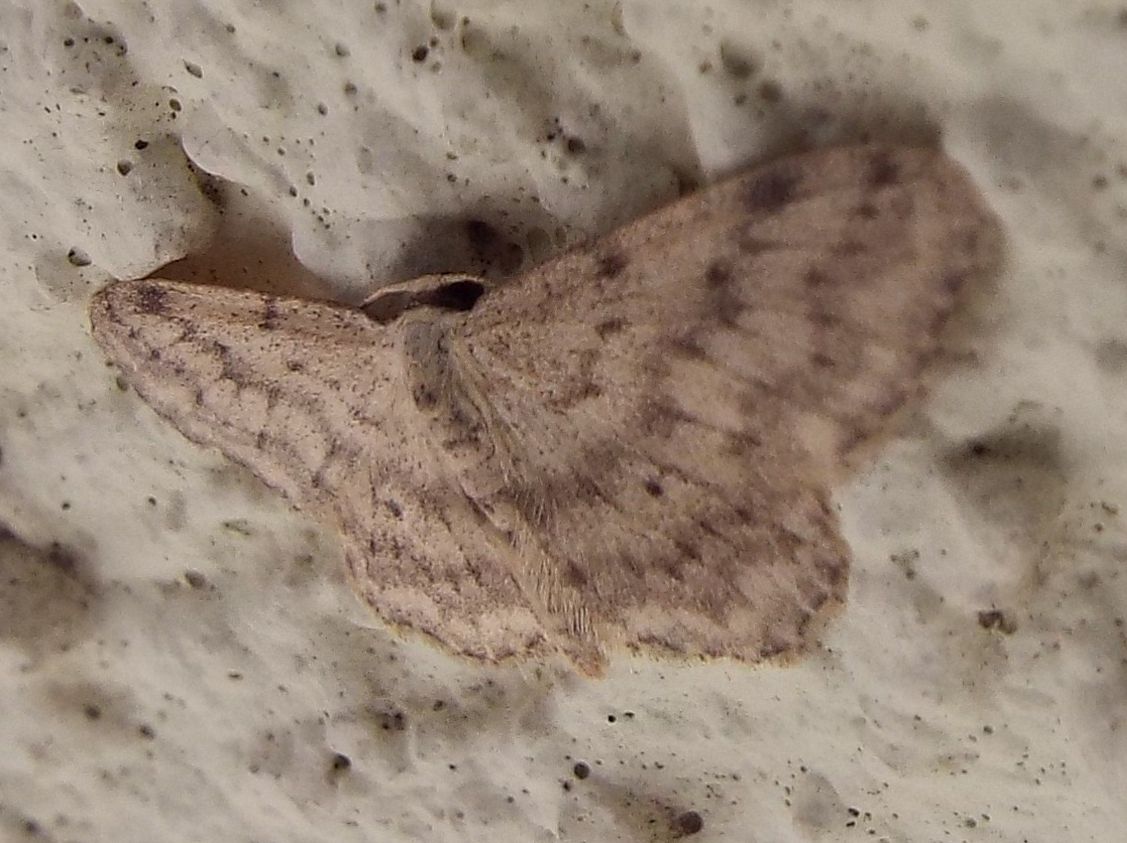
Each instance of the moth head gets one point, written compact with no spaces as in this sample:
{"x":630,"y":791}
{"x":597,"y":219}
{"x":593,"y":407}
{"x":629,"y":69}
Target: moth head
{"x":447,"y":291}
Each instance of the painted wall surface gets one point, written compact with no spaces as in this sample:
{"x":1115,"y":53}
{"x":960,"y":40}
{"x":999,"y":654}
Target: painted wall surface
{"x":181,"y":657}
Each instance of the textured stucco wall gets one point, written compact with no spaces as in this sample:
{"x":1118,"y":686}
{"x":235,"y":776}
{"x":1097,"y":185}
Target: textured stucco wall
{"x":180,"y":657}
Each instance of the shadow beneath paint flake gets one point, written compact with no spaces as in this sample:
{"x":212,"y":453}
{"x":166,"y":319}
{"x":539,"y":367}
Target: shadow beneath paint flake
{"x":47,"y":601}
{"x":252,"y":250}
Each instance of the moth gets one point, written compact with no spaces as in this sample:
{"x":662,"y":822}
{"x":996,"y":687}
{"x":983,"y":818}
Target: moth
{"x":631,"y":446}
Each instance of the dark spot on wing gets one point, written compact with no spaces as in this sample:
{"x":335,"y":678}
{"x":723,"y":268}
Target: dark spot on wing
{"x":883,"y":171}
{"x":611,"y":265}
{"x":822,"y":361}
{"x":574,"y":575}
{"x":974,"y":239}
{"x":937,"y":321}
{"x":817,"y":599}
{"x":851,"y":438}
{"x":687,"y":345}
{"x":269,"y":315}
{"x":867,"y":210}
{"x":687,"y":549}
{"x":673,"y":566}
{"x":952,"y":281}
{"x":814,"y":277}
{"x":580,"y":388}
{"x":718,"y":275}
{"x":770,"y":192}
{"x":274,"y":395}
{"x":152,"y":299}
{"x":230,"y":366}
{"x":653,"y":488}
{"x":726,"y":305}
{"x":607,"y":327}
{"x":706,"y":527}
{"x":833,"y":569}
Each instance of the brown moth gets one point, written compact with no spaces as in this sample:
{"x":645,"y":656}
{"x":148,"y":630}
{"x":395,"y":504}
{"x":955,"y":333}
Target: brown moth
{"x":631,"y":445}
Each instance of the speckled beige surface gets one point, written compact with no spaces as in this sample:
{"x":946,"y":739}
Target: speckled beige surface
{"x":180,"y":656}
